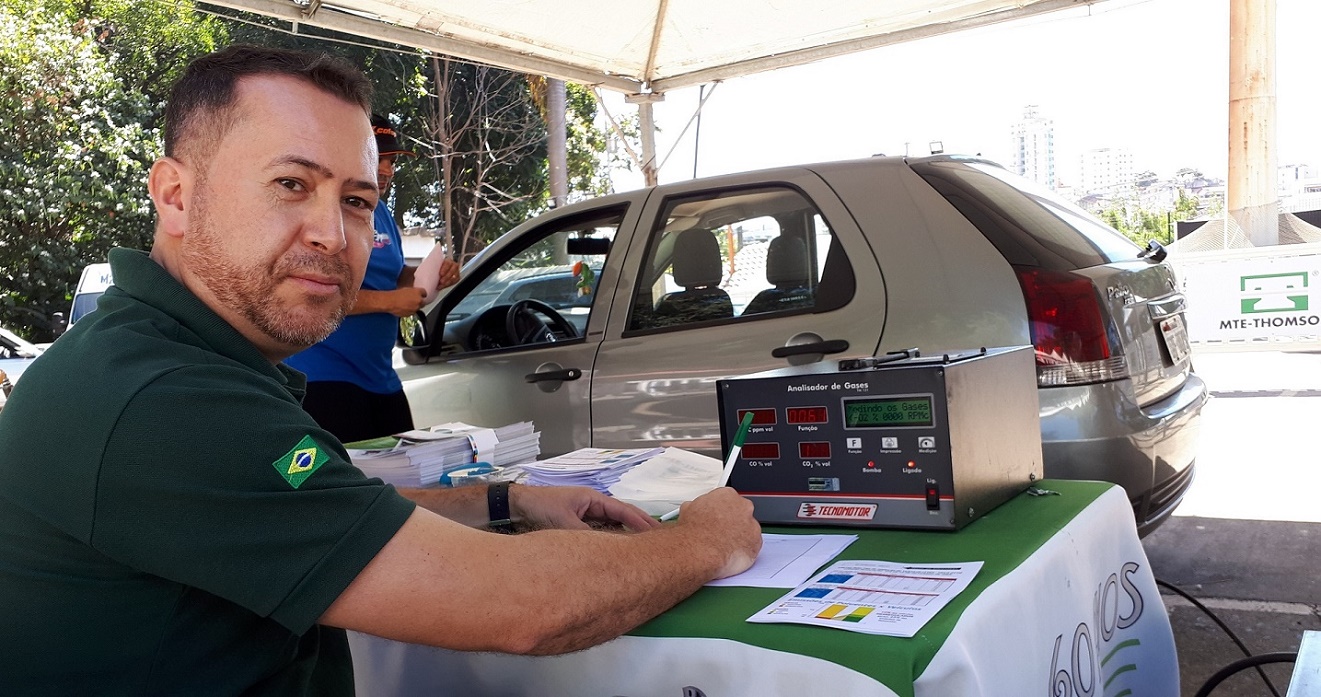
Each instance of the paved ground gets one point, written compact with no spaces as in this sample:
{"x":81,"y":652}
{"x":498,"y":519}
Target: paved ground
{"x":1246,"y":542}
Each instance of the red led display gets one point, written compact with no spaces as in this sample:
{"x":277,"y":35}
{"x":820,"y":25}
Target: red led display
{"x":805,"y":415}
{"x":816,"y":450}
{"x":760,"y":417}
{"x":760,"y":451}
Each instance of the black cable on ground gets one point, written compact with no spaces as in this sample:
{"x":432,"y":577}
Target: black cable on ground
{"x":1249,"y":662}
{"x":1196,"y":603}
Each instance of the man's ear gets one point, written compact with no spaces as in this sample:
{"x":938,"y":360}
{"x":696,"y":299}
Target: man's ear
{"x":170,"y":184}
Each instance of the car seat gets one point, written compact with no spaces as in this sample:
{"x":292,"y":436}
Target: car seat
{"x":787,"y":270}
{"x":696,"y":266}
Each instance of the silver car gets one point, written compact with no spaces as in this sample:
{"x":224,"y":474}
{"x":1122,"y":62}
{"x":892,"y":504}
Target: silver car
{"x":692,"y":282}
{"x":16,"y":354}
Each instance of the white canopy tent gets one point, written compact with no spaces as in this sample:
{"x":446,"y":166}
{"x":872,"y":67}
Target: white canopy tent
{"x":636,"y":46}
{"x":645,"y":47}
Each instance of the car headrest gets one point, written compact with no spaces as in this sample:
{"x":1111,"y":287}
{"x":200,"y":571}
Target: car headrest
{"x":786,"y":262}
{"x":696,"y":260}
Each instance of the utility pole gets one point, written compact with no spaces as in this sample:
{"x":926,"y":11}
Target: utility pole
{"x":1252,"y":200}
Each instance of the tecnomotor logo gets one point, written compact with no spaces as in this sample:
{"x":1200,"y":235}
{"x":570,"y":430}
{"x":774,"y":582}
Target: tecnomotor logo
{"x":835,"y":511}
{"x":1100,"y":660}
{"x":1274,"y":292}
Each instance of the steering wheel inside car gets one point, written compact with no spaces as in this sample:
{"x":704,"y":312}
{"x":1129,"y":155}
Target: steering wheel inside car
{"x":523,"y":326}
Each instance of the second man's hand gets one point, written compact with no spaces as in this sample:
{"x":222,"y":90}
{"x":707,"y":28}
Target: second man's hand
{"x":449,"y":273}
{"x":409,"y":300}
{"x":573,"y":508}
{"x":729,"y":515}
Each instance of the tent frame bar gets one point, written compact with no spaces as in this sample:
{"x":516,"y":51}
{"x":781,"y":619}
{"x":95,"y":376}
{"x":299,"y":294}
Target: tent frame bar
{"x":328,"y":17}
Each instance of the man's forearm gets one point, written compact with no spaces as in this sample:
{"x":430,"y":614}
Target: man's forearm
{"x":555,"y":591}
{"x":465,"y":504}
{"x":370,"y":301}
{"x":618,"y":569}
{"x":624,"y":580}
{"x":618,"y":580}
{"x":400,"y":302}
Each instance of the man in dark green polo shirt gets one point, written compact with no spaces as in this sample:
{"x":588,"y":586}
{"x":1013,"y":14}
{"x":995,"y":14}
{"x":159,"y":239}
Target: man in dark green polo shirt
{"x":172,"y":523}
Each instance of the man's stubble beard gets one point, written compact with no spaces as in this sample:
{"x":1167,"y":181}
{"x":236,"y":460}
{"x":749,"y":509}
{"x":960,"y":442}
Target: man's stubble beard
{"x":250,"y":290}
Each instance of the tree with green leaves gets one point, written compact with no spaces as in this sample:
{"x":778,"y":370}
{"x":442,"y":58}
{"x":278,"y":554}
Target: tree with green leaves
{"x":1143,"y":225}
{"x":1185,"y":206}
{"x":82,"y":92}
{"x":80,"y":137}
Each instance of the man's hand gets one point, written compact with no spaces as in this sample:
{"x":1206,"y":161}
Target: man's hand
{"x":435,"y":272}
{"x":726,"y":518}
{"x":406,"y":301}
{"x":573,"y":508}
{"x":449,"y":273}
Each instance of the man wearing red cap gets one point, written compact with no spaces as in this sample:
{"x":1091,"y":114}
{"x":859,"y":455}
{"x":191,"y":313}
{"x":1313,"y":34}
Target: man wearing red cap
{"x":352,"y":388}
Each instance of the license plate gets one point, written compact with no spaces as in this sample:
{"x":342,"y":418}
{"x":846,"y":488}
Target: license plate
{"x":1176,"y":337}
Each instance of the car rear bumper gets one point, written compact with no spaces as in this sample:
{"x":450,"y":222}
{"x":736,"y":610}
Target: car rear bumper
{"x":1099,"y":432}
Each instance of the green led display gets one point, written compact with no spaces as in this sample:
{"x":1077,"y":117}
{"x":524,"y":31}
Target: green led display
{"x":887,"y":411}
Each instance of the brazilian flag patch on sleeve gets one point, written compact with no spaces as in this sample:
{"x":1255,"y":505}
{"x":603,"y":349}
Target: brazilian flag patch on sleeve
{"x":299,"y":464}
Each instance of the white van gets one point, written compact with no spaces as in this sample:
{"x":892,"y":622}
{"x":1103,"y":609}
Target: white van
{"x":94,"y":281}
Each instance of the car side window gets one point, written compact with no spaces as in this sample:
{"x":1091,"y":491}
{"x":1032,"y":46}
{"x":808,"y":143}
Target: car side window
{"x":555,"y":269}
{"x":738,"y":256}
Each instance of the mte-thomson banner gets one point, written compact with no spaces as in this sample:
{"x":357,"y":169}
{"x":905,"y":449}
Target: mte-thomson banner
{"x":1259,"y":295}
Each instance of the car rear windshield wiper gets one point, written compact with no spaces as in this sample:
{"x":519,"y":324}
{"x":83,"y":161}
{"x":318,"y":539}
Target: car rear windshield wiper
{"x":1155,"y":251}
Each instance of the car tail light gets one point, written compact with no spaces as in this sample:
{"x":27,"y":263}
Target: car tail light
{"x":1069,"y":329}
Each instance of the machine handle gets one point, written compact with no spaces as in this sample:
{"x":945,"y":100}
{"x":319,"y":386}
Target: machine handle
{"x":828,"y":346}
{"x":565,"y":374}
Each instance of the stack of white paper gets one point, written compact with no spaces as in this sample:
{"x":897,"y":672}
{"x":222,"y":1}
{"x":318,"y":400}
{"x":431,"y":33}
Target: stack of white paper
{"x":660,"y":484}
{"x":597,"y":468}
{"x":419,"y":458}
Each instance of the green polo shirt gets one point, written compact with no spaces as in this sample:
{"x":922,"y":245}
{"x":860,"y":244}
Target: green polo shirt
{"x":171,"y":521}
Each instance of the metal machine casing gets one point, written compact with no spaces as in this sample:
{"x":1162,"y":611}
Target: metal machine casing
{"x":903,"y":441}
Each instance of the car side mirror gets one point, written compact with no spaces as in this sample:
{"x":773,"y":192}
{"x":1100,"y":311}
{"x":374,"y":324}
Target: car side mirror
{"x":413,"y":332}
{"x":414,"y":338}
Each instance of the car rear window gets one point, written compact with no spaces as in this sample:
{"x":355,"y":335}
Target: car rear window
{"x":1030,"y":225}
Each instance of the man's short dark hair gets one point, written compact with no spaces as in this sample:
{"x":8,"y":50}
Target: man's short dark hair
{"x":200,"y":110}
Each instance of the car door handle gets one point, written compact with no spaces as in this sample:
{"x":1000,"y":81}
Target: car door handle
{"x":828,"y":346}
{"x":565,"y":374}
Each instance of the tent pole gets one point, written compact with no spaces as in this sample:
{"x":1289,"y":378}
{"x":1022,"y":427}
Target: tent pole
{"x":557,"y":141}
{"x":647,"y":126}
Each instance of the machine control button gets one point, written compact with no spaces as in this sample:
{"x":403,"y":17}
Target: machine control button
{"x":933,"y":497}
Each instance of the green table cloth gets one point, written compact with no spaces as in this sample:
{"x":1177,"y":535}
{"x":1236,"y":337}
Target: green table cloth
{"x":1065,"y":605}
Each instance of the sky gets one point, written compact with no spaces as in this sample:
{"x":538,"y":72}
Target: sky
{"x":1147,"y":75}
